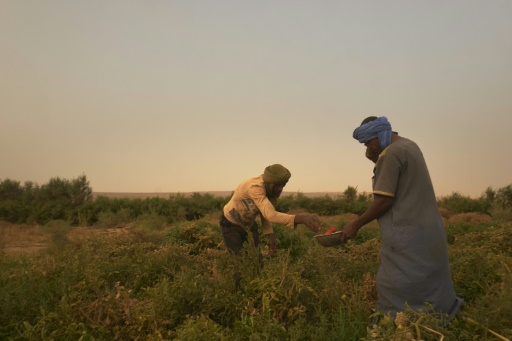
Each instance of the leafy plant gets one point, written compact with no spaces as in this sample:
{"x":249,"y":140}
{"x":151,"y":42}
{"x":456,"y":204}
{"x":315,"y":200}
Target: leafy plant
{"x":163,"y":278}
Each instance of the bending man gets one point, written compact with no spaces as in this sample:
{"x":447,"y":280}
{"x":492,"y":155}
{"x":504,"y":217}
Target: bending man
{"x":255,"y":197}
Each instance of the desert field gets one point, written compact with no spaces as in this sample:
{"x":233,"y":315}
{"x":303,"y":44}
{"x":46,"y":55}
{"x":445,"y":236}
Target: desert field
{"x":142,"y":280}
{"x":79,"y":265}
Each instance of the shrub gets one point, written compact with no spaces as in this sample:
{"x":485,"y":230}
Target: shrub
{"x":500,"y":213}
{"x":458,"y":203}
{"x":152,"y":222}
{"x":295,"y":242}
{"x":197,"y":236}
{"x":58,"y":229}
{"x":476,"y":260}
{"x":201,"y":328}
{"x":59,"y":199}
{"x":472,"y":218}
{"x":109,"y":219}
{"x":154,"y":280}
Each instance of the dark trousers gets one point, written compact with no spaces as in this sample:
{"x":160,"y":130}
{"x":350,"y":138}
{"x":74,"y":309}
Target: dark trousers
{"x":235,"y":236}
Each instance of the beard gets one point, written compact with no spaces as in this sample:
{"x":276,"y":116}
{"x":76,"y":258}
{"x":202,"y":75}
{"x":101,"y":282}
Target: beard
{"x":372,"y":155}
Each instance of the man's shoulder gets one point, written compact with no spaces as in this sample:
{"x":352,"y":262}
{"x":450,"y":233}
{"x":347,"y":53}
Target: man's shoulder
{"x":254,"y":181}
{"x":402,"y":143}
{"x":252,"y":186}
{"x":399,"y":148}
{"x":251,"y":181}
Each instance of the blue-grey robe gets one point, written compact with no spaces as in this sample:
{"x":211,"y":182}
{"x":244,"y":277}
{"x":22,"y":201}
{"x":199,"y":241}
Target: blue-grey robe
{"x":414,"y":268}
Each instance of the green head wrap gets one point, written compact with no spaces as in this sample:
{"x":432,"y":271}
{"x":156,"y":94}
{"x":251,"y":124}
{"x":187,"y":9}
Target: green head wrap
{"x":275,"y":174}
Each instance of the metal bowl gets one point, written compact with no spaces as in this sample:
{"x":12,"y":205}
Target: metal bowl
{"x":329,"y":240}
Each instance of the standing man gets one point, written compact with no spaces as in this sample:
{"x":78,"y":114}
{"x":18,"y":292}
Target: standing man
{"x":255,"y":197}
{"x":414,"y":270}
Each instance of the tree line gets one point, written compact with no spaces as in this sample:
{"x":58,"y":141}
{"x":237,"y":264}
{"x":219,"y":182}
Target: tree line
{"x":72,"y":201}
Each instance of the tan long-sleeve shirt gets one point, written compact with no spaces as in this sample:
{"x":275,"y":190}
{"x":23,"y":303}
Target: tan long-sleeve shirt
{"x":250,"y":201}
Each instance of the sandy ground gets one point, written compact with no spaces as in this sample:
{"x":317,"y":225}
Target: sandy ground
{"x":27,"y":239}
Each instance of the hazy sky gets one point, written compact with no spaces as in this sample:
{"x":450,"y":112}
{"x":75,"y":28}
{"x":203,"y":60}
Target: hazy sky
{"x":183,"y":96}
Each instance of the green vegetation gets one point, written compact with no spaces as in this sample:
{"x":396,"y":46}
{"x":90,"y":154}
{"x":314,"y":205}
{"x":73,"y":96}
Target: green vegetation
{"x":176,"y":282}
{"x":167,"y":275}
{"x":58,"y":199}
{"x":72,"y":201}
{"x":349,"y":202}
{"x":489,"y":202}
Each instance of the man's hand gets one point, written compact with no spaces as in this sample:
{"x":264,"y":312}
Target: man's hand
{"x":381,"y":204}
{"x":310,"y":220}
{"x":350,"y":231}
{"x":272,"y":244}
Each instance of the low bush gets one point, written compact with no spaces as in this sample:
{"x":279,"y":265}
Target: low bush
{"x":473,"y":218}
{"x":178,"y":283}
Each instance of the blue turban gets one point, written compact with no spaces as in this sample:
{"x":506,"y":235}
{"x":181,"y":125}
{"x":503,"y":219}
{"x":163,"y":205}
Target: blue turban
{"x":379,"y":128}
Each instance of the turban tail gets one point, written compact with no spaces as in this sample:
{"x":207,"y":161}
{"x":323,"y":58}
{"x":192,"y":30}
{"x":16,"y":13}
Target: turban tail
{"x":274,"y":174}
{"x":379,"y":128}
